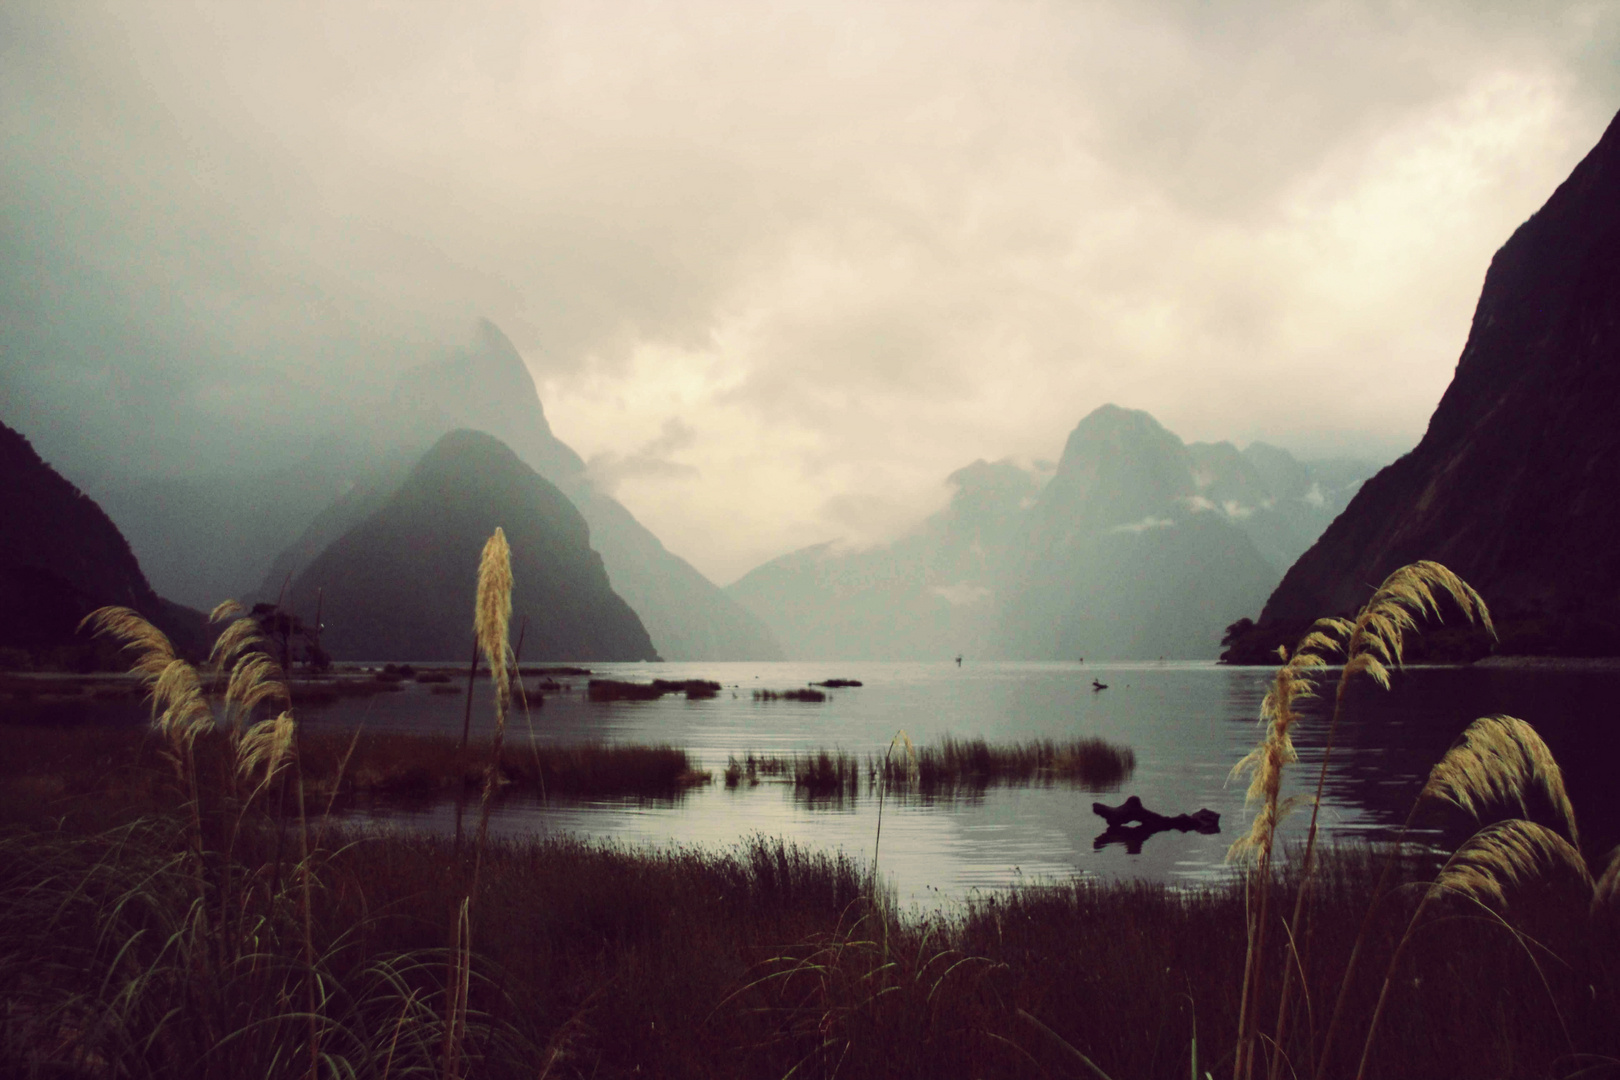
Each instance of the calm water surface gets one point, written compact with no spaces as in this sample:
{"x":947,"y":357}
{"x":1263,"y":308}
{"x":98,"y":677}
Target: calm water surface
{"x":1188,"y":723}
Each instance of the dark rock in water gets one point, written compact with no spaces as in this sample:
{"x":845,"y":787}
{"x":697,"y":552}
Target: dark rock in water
{"x":615,"y":690}
{"x":61,"y":557}
{"x":790,"y":695}
{"x":838,"y":684}
{"x":1515,"y":483}
{"x":400,"y":584}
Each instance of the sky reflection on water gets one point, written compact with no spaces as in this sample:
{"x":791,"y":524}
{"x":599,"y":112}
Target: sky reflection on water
{"x":1187,"y":723}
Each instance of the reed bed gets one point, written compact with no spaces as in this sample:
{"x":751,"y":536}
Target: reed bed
{"x":618,"y":690}
{"x":807,"y":694}
{"x":954,"y":766}
{"x":91,"y":763}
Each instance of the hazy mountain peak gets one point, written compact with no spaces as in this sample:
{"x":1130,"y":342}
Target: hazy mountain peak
{"x":488,"y":387}
{"x":400,"y":584}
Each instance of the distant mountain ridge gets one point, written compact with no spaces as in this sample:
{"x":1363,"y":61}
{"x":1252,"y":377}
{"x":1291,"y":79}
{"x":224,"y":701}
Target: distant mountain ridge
{"x":400,"y":584}
{"x":1137,"y":546}
{"x":1514,"y":483}
{"x":61,"y":557}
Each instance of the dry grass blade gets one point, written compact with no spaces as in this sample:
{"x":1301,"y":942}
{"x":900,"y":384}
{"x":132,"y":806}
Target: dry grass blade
{"x":1500,"y":762}
{"x":1503,"y":858}
{"x":1606,"y":893}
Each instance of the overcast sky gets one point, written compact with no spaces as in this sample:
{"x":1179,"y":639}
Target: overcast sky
{"x":777,"y":269}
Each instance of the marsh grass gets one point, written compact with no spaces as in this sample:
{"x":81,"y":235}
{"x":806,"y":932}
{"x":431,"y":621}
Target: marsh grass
{"x":806,"y":694}
{"x":951,"y":768}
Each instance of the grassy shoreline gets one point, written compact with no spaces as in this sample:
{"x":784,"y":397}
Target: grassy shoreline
{"x":595,"y":959}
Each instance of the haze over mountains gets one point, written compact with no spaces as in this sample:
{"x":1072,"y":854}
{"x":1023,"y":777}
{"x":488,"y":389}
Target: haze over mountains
{"x":1136,"y":546}
{"x":248,"y":536}
{"x":400,"y":585}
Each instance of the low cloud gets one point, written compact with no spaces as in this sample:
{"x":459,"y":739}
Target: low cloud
{"x":651,"y":462}
{"x":1144,"y":525}
{"x":962,"y":594}
{"x":857,"y":245}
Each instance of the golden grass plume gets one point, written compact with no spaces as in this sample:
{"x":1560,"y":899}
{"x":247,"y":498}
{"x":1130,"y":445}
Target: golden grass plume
{"x":268,"y":747}
{"x":1502,"y":858}
{"x":179,"y":709}
{"x":1500,"y":762}
{"x":1294,"y":681}
{"x":493,"y":614}
{"x":1376,"y":638}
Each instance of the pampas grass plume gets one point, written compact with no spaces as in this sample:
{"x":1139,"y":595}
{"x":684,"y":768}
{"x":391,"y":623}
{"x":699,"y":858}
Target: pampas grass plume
{"x":179,"y":709}
{"x":493,"y":614}
{"x":1499,"y":761}
{"x":1506,"y":856}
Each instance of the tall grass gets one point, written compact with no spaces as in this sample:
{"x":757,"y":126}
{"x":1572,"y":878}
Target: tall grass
{"x":1520,"y":873}
{"x":185,"y":942}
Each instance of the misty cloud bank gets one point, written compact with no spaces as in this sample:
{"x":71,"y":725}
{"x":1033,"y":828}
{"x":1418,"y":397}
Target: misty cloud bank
{"x":775,"y":268}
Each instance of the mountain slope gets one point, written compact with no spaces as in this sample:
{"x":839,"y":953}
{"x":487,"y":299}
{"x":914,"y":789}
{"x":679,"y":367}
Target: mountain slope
{"x":61,"y":557}
{"x":488,"y":388}
{"x":400,"y":584}
{"x":1137,"y":547}
{"x":1514,"y":483}
{"x":927,"y":596}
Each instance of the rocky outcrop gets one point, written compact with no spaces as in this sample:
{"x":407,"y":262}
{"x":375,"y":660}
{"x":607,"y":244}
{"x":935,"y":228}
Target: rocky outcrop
{"x":400,"y":584}
{"x":1515,"y":482}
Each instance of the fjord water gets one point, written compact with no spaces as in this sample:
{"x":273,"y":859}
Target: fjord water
{"x":1186,"y":722}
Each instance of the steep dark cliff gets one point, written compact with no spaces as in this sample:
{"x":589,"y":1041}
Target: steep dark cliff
{"x":1514,"y":484}
{"x":399,"y":585}
{"x":61,"y":557}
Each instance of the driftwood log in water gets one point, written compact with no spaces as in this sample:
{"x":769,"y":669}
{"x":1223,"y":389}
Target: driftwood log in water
{"x":1131,"y":823}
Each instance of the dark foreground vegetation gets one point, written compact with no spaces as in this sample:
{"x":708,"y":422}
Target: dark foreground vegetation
{"x":124,"y":951}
